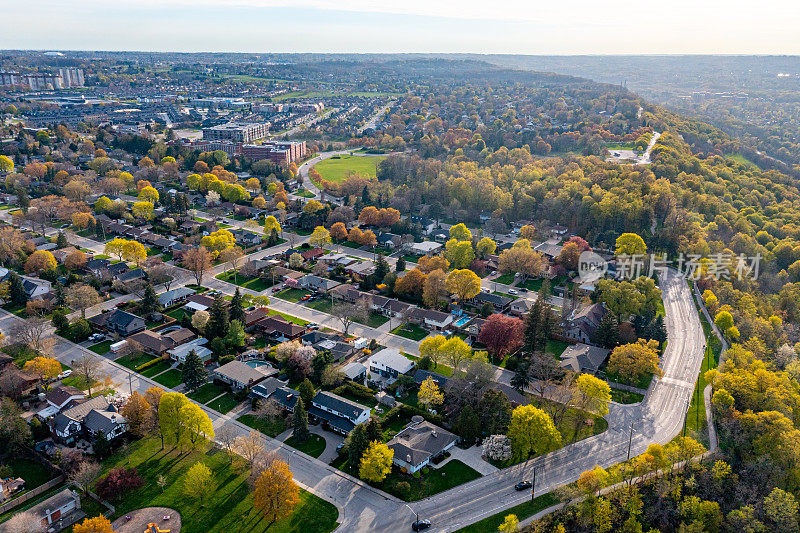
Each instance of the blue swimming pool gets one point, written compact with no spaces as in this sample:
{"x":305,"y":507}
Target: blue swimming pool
{"x":256,"y":364}
{"x":462,"y":321}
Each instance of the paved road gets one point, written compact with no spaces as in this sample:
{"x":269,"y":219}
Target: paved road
{"x":362,"y":508}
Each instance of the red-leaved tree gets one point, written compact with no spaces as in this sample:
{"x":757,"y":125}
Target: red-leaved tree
{"x":501,"y":334}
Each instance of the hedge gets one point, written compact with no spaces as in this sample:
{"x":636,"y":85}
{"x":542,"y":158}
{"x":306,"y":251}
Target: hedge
{"x":152,"y":362}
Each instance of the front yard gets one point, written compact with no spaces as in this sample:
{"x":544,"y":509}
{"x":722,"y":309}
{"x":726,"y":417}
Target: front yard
{"x":101,"y":348}
{"x":224,"y":404}
{"x":170,"y":378}
{"x":230,"y":506}
{"x":314,"y":446}
{"x":249,"y":282}
{"x":272,"y":427}
{"x":411,"y":331}
{"x":292,"y":295}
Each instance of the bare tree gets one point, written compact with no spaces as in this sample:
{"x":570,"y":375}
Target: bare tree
{"x":233,"y":256}
{"x":198,"y":262}
{"x":81,"y":297}
{"x":226,"y":436}
{"x":85,"y":474}
{"x":163,"y":275}
{"x":88,"y":368}
{"x":347,"y":313}
{"x":249,"y":446}
{"x":33,"y":332}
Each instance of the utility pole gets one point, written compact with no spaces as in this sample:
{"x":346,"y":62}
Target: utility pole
{"x":630,"y":440}
{"x":533,"y":484}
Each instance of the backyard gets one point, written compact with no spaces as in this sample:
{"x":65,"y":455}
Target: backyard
{"x":337,"y":168}
{"x":230,"y":506}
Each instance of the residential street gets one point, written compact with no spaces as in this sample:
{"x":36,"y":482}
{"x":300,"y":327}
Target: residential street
{"x":657,"y":419}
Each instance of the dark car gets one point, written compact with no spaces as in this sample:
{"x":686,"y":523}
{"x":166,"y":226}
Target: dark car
{"x":523,"y":485}
{"x":419,"y":525}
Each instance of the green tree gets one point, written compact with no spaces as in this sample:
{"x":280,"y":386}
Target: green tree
{"x":356,"y":446}
{"x":460,"y":232}
{"x":150,"y":302}
{"x":218,"y":319}
{"x":781,"y":510}
{"x":400,"y":265}
{"x":306,"y":390}
{"x":193,"y":372}
{"x":236,"y":337}
{"x":198,"y":484}
{"x":61,"y":240}
{"x":17,"y":289}
{"x":469,"y":424}
{"x":236,"y":308}
{"x":300,"y":433}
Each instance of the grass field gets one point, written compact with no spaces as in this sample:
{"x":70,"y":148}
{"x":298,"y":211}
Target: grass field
{"x":741,"y":159}
{"x":272,"y":428}
{"x":254,"y":284}
{"x":170,"y":378}
{"x":102,"y":347}
{"x":437,"y":480}
{"x":230,"y":506}
{"x":207,"y":392}
{"x":292,"y":295}
{"x":314,"y":446}
{"x":156,"y":369}
{"x":522,"y":511}
{"x":337,"y":168}
{"x":223,"y":404}
{"x":132,"y":360}
{"x":411,"y":331}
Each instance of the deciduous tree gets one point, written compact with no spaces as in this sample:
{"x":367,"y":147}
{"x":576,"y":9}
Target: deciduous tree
{"x":276,"y":493}
{"x":376,"y":463}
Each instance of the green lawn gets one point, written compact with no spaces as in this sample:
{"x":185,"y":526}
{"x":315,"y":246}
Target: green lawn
{"x":323,"y":304}
{"x":207,"y":392}
{"x":304,"y":193}
{"x":292,"y":295}
{"x":230,"y":506}
{"x":621,"y":396}
{"x":296,"y":320}
{"x":224,"y":404}
{"x":178,"y":314}
{"x":314,"y":446}
{"x":254,"y":284}
{"x":741,"y":159}
{"x":273,"y":428}
{"x":505,"y":279}
{"x":337,"y":168}
{"x":450,"y":475}
{"x":156,"y":369}
{"x":134,"y":359}
{"x":411,"y":331}
{"x":522,"y":511}
{"x":374,"y":320}
{"x":102,"y":347}
{"x":33,"y":472}
{"x":621,"y":146}
{"x":170,"y":378}
{"x":79,"y":382}
{"x":556,"y":347}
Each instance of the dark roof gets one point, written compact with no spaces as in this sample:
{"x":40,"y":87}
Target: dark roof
{"x":420,"y":441}
{"x":266,"y":388}
{"x":497,"y":300}
{"x":60,"y":395}
{"x":117,"y":316}
{"x":421,"y":375}
{"x":286,"y":397}
{"x":136,"y":273}
{"x":583,"y":357}
{"x":103,"y":420}
{"x":345,"y":407}
{"x":336,"y":422}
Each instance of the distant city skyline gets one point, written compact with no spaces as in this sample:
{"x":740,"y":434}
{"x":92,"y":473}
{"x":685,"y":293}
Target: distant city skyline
{"x":442,"y":26}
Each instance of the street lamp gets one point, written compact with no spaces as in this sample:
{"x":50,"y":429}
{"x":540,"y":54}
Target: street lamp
{"x":533,"y":484}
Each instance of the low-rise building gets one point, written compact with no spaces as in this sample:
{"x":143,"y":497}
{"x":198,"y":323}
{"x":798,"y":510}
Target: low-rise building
{"x":119,"y":321}
{"x":179,"y":353}
{"x":88,"y":419}
{"x":240,"y":375}
{"x":59,"y":511}
{"x":583,"y":358}
{"x":338,"y":414}
{"x":418,"y":443}
{"x":388,"y":364}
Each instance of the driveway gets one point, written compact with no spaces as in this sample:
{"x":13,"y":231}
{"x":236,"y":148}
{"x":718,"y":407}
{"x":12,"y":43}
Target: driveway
{"x":472,"y":458}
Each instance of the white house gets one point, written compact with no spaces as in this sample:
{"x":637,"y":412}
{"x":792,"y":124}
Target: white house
{"x":425,"y":248}
{"x":389,"y":363}
{"x":179,"y":353}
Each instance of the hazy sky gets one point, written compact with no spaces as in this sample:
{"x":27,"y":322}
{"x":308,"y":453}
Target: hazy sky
{"x":494,"y":26}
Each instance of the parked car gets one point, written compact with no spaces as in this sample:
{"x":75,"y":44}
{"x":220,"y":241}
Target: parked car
{"x":306,"y":297}
{"x":96,"y":337}
{"x":312,"y":325}
{"x":419,"y":525}
{"x":512,"y":291}
{"x":523,"y":485}
{"x":65,"y":374}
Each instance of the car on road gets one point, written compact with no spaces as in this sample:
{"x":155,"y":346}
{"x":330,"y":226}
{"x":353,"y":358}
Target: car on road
{"x":523,"y":485}
{"x":312,"y":325}
{"x":523,"y":289}
{"x":419,"y":525}
{"x":512,"y":291}
{"x":494,"y":272}
{"x":276,"y":289}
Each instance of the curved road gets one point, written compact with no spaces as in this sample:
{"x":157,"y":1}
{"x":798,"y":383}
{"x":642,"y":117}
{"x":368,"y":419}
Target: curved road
{"x":363,"y":508}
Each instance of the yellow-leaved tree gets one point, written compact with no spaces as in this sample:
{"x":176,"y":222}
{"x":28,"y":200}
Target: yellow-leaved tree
{"x":429,"y":393}
{"x":532,"y":432}
{"x":198,"y":484}
{"x":98,"y":524}
{"x":376,"y":463}
{"x":275,"y":493}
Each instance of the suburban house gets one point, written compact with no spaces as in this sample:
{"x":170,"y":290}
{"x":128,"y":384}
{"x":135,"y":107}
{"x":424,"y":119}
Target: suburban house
{"x":583,"y":358}
{"x":60,"y":511}
{"x":285,"y":397}
{"x":119,"y":321}
{"x":419,"y":442}
{"x":429,"y":318}
{"x":354,"y":372}
{"x":246,"y":238}
{"x":339,"y":414}
{"x":582,"y":324}
{"x":179,"y":353}
{"x":421,"y":375}
{"x":266,"y":388}
{"x":549,"y":249}
{"x":316,"y":283}
{"x":158,"y":343}
{"x":88,"y":418}
{"x":198,"y":302}
{"x":520,"y":307}
{"x":59,"y":398}
{"x":174,"y":296}
{"x":387,"y":365}
{"x":499,"y":302}
{"x":240,"y":375}
{"x":278,"y":328}
{"x":425,"y":248}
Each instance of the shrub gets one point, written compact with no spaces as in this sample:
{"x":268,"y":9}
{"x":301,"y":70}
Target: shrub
{"x":425,"y":470}
{"x":79,"y":330}
{"x":417,"y":475}
{"x":354,"y":389}
{"x":148,"y":364}
{"x":403,"y":488}
{"x":119,"y":481}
